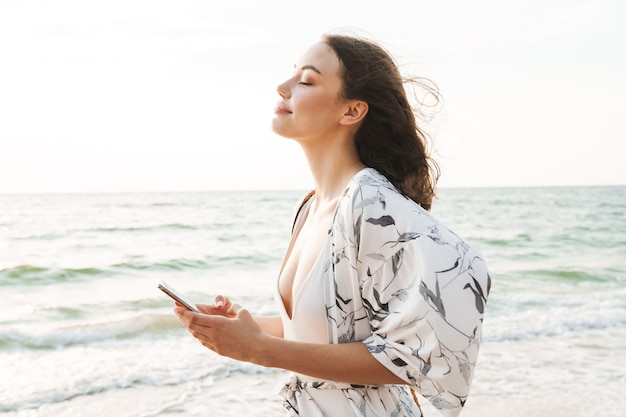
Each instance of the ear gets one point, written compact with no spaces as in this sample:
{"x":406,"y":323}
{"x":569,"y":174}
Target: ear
{"x":355,"y":111}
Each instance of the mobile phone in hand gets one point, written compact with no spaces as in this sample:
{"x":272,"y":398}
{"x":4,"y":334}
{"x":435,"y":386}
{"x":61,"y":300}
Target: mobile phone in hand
{"x":167,"y":289}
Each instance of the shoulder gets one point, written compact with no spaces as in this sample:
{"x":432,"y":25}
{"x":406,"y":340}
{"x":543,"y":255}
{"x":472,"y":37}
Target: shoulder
{"x":369,"y":182}
{"x":372,"y":198}
{"x":383,"y":222}
{"x":370,"y":188}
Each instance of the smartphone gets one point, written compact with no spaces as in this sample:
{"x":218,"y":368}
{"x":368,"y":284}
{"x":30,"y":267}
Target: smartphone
{"x":176,"y":296}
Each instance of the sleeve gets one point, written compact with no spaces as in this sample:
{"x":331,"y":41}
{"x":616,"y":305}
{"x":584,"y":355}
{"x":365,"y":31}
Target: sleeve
{"x":425,"y":305}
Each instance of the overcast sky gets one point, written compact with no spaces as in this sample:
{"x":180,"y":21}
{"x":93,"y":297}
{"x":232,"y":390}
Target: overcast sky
{"x":144,"y":95}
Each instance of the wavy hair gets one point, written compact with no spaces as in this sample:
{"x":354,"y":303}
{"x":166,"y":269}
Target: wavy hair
{"x":388,"y":138}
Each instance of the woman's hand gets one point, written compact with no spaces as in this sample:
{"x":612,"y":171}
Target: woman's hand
{"x":225,"y":328}
{"x":230,"y":330}
{"x":222,"y":307}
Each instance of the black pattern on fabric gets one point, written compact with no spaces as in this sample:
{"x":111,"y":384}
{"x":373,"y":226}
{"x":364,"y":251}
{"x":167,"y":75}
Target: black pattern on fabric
{"x":411,"y":290}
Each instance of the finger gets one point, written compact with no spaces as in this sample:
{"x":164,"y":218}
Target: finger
{"x":219,"y":301}
{"x":206,"y":309}
{"x":179,"y":305}
{"x":239,"y":311}
{"x":180,"y":313}
{"x":236,"y":308}
{"x":222,"y":301}
{"x":212,"y":310}
{"x":197,"y":322}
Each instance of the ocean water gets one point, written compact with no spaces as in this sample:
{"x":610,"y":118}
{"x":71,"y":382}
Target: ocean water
{"x":85,"y":332}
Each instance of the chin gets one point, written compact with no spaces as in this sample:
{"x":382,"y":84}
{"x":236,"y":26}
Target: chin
{"x":276,"y":128}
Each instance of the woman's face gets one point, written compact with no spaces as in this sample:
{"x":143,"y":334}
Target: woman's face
{"x":310,"y":107}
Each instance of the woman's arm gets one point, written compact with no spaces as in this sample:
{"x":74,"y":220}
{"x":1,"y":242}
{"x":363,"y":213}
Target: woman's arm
{"x":272,"y":325}
{"x":240,"y":336}
{"x":345,"y":362}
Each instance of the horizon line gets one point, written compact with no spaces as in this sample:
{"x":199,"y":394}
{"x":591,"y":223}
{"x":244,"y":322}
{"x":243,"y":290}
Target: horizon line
{"x":304,"y":189}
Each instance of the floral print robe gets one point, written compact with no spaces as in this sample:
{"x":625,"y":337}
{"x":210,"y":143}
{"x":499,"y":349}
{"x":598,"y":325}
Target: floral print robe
{"x":408,"y":288}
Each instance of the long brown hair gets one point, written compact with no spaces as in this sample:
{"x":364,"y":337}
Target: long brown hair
{"x":389,"y":138}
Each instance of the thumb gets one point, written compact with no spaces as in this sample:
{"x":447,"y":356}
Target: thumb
{"x":240,"y":312}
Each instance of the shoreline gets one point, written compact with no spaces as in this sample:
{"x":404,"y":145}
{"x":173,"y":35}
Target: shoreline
{"x":557,"y":376}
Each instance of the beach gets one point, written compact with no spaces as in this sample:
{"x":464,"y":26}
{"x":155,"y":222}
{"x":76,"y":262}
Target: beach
{"x":85,"y":332}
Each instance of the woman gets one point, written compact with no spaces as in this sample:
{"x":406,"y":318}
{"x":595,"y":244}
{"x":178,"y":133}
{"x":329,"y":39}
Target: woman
{"x":375,"y":295}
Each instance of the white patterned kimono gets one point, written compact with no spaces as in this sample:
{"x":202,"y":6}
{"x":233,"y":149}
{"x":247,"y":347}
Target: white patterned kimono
{"x":408,"y":288}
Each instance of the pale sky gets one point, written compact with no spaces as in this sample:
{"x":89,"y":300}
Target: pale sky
{"x":144,"y":95}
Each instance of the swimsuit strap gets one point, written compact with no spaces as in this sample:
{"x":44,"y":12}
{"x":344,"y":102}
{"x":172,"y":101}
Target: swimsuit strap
{"x":305,"y":200}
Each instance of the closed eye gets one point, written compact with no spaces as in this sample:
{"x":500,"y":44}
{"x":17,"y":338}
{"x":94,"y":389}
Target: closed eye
{"x":304,"y":83}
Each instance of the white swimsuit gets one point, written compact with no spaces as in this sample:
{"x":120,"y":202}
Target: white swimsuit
{"x":308,"y":324}
{"x":308,"y":320}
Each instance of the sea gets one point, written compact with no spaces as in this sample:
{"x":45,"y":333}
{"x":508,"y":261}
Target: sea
{"x":85,"y":332}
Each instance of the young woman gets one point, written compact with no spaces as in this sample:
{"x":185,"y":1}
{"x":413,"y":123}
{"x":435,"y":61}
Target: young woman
{"x":376,"y":297}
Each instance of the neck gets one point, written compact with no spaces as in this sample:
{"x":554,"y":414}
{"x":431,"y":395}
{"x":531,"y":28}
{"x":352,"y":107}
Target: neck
{"x":332,"y":164}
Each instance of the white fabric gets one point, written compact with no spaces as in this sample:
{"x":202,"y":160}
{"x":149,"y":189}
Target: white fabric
{"x":411,"y":290}
{"x":308,"y":318}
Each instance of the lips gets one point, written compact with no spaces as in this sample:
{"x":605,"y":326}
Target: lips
{"x":282,"y":109}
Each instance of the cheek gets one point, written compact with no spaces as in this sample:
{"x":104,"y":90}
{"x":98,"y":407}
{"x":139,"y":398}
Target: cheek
{"x":318,"y":105}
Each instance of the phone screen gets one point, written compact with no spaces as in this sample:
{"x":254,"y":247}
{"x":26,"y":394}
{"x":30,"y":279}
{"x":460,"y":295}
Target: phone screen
{"x":176,"y":296}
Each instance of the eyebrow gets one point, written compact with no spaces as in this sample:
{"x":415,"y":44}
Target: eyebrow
{"x":310,"y":67}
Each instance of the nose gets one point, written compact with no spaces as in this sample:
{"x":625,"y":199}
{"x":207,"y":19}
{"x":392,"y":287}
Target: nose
{"x":283,"y":90}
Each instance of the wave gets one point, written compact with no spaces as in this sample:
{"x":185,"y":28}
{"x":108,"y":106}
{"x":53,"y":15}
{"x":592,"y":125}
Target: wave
{"x":164,"y":205}
{"x":36,"y":275}
{"x":570,"y":275}
{"x":139,"y":326}
{"x":92,"y":388}
{"x":45,"y":236}
{"x":208,"y":262}
{"x":520,"y":240}
{"x":562,"y":328}
{"x":168,"y":227}
{"x":155,"y":228}
{"x":40,"y":275}
{"x":169,"y":265}
{"x":89,"y":387}
{"x":34,"y":403}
